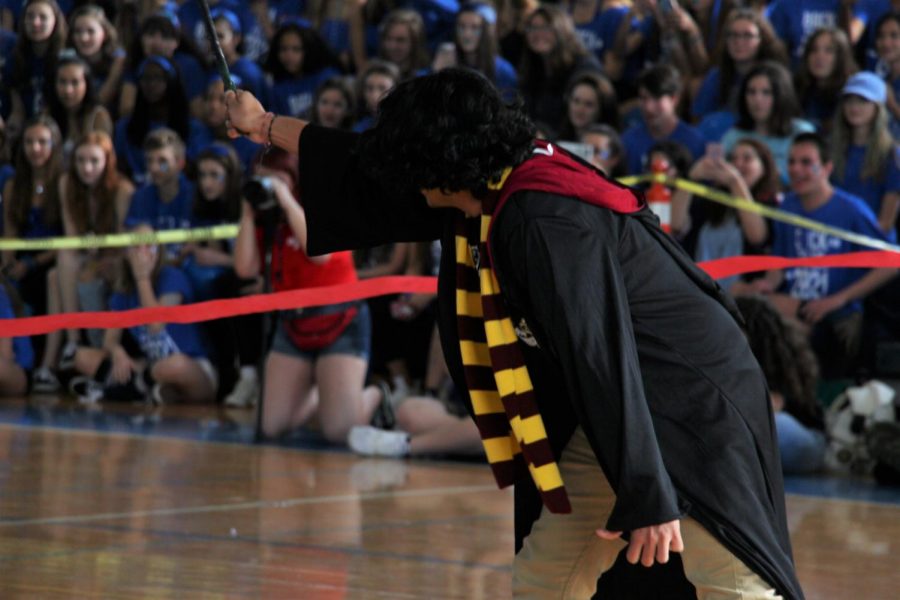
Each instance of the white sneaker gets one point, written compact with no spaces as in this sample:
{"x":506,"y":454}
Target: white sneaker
{"x":67,"y":360}
{"x":244,"y":394}
{"x":88,"y":391}
{"x":43,"y":381}
{"x":371,"y":441}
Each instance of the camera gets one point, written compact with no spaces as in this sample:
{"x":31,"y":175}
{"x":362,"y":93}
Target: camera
{"x":259,"y":192}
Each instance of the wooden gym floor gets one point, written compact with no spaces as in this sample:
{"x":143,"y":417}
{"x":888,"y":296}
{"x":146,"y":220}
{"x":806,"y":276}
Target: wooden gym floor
{"x":122,"y":502}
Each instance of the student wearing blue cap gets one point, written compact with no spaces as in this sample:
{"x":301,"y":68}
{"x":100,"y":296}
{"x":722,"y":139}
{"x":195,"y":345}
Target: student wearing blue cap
{"x":865,"y":155}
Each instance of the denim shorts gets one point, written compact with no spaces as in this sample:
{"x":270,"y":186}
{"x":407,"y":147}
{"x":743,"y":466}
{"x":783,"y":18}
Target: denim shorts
{"x":355,"y":340}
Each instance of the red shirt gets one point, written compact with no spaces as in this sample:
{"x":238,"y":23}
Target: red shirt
{"x":292,"y":269}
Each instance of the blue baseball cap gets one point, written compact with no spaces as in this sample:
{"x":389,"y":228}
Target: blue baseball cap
{"x":867,"y":85}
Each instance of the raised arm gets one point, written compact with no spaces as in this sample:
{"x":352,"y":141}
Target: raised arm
{"x":246,"y":116}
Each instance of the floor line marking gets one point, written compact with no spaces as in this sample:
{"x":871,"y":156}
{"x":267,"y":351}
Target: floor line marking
{"x":164,"y":512}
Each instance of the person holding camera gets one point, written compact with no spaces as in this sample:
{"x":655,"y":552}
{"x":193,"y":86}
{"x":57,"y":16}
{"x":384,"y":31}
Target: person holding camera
{"x":323,"y":346}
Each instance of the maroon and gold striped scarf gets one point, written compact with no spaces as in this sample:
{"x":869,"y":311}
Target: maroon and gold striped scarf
{"x":503,"y":401}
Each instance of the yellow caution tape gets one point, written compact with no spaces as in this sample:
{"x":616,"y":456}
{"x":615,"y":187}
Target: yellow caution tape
{"x":221,"y":232}
{"x":766,"y":211}
{"x":117,"y":240}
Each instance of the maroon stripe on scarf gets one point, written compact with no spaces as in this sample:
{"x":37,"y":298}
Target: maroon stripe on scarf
{"x":492,"y":425}
{"x":480,"y":378}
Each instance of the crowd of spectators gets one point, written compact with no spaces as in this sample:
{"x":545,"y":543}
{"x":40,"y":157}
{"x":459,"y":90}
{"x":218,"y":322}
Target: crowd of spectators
{"x":113,"y":120}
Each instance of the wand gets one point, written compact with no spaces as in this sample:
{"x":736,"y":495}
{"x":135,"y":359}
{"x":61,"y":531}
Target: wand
{"x":221,"y":65}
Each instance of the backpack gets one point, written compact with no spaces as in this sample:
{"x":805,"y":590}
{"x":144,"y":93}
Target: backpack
{"x":847,"y":421}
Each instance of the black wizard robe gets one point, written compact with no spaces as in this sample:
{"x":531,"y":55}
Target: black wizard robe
{"x":633,"y":342}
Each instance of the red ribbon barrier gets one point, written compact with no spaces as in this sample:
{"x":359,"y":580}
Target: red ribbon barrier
{"x":367,"y":288}
{"x":217,"y":309}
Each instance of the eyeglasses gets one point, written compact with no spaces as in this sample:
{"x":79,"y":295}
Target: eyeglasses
{"x":741,"y":35}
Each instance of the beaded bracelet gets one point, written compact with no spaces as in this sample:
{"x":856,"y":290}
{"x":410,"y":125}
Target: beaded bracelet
{"x":269,"y":133}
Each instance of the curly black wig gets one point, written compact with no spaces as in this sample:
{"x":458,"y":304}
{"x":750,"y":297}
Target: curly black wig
{"x":450,"y":131}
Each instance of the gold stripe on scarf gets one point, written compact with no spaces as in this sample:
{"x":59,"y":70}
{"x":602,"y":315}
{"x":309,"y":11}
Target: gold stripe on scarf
{"x":513,"y":395}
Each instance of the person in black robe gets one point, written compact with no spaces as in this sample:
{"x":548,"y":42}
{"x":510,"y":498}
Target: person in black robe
{"x":630,"y":346}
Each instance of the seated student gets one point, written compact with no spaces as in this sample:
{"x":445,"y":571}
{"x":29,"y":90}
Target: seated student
{"x":590,"y":99}
{"x":94,"y":198}
{"x":474,"y":45}
{"x":298,"y":63}
{"x":96,"y":40}
{"x":768,"y":111}
{"x":827,"y":300}
{"x":720,"y":231}
{"x":826,"y":65}
{"x":792,"y":373}
{"x":659,"y":91}
{"x":165,"y":201}
{"x":72,"y":102}
{"x":210,"y":267}
{"x":377,"y":79}
{"x":16,"y":355}
{"x":31,"y":210}
{"x":402,"y":41}
{"x":160,"y":362}
{"x":864,"y":152}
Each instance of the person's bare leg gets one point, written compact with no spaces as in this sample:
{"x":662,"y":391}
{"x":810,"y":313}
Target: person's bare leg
{"x":436,"y":370}
{"x":54,"y":307}
{"x":287,"y":384}
{"x":343,"y":402}
{"x":69,"y":265}
{"x":183,"y":378}
{"x":13,"y":381}
{"x":460,"y":436}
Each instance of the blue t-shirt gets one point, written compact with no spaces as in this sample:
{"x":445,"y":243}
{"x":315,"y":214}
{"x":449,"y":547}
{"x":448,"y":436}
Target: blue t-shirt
{"x":716,"y":124}
{"x":185,"y":335}
{"x":599,"y":34}
{"x":22,"y":351}
{"x":843,"y":211}
{"x":795,"y":20}
{"x":252,"y":79}
{"x":638,"y":141}
{"x":506,"y":79}
{"x":147,"y":207}
{"x":709,"y":100}
{"x":294,"y":97}
{"x":871,"y":191}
